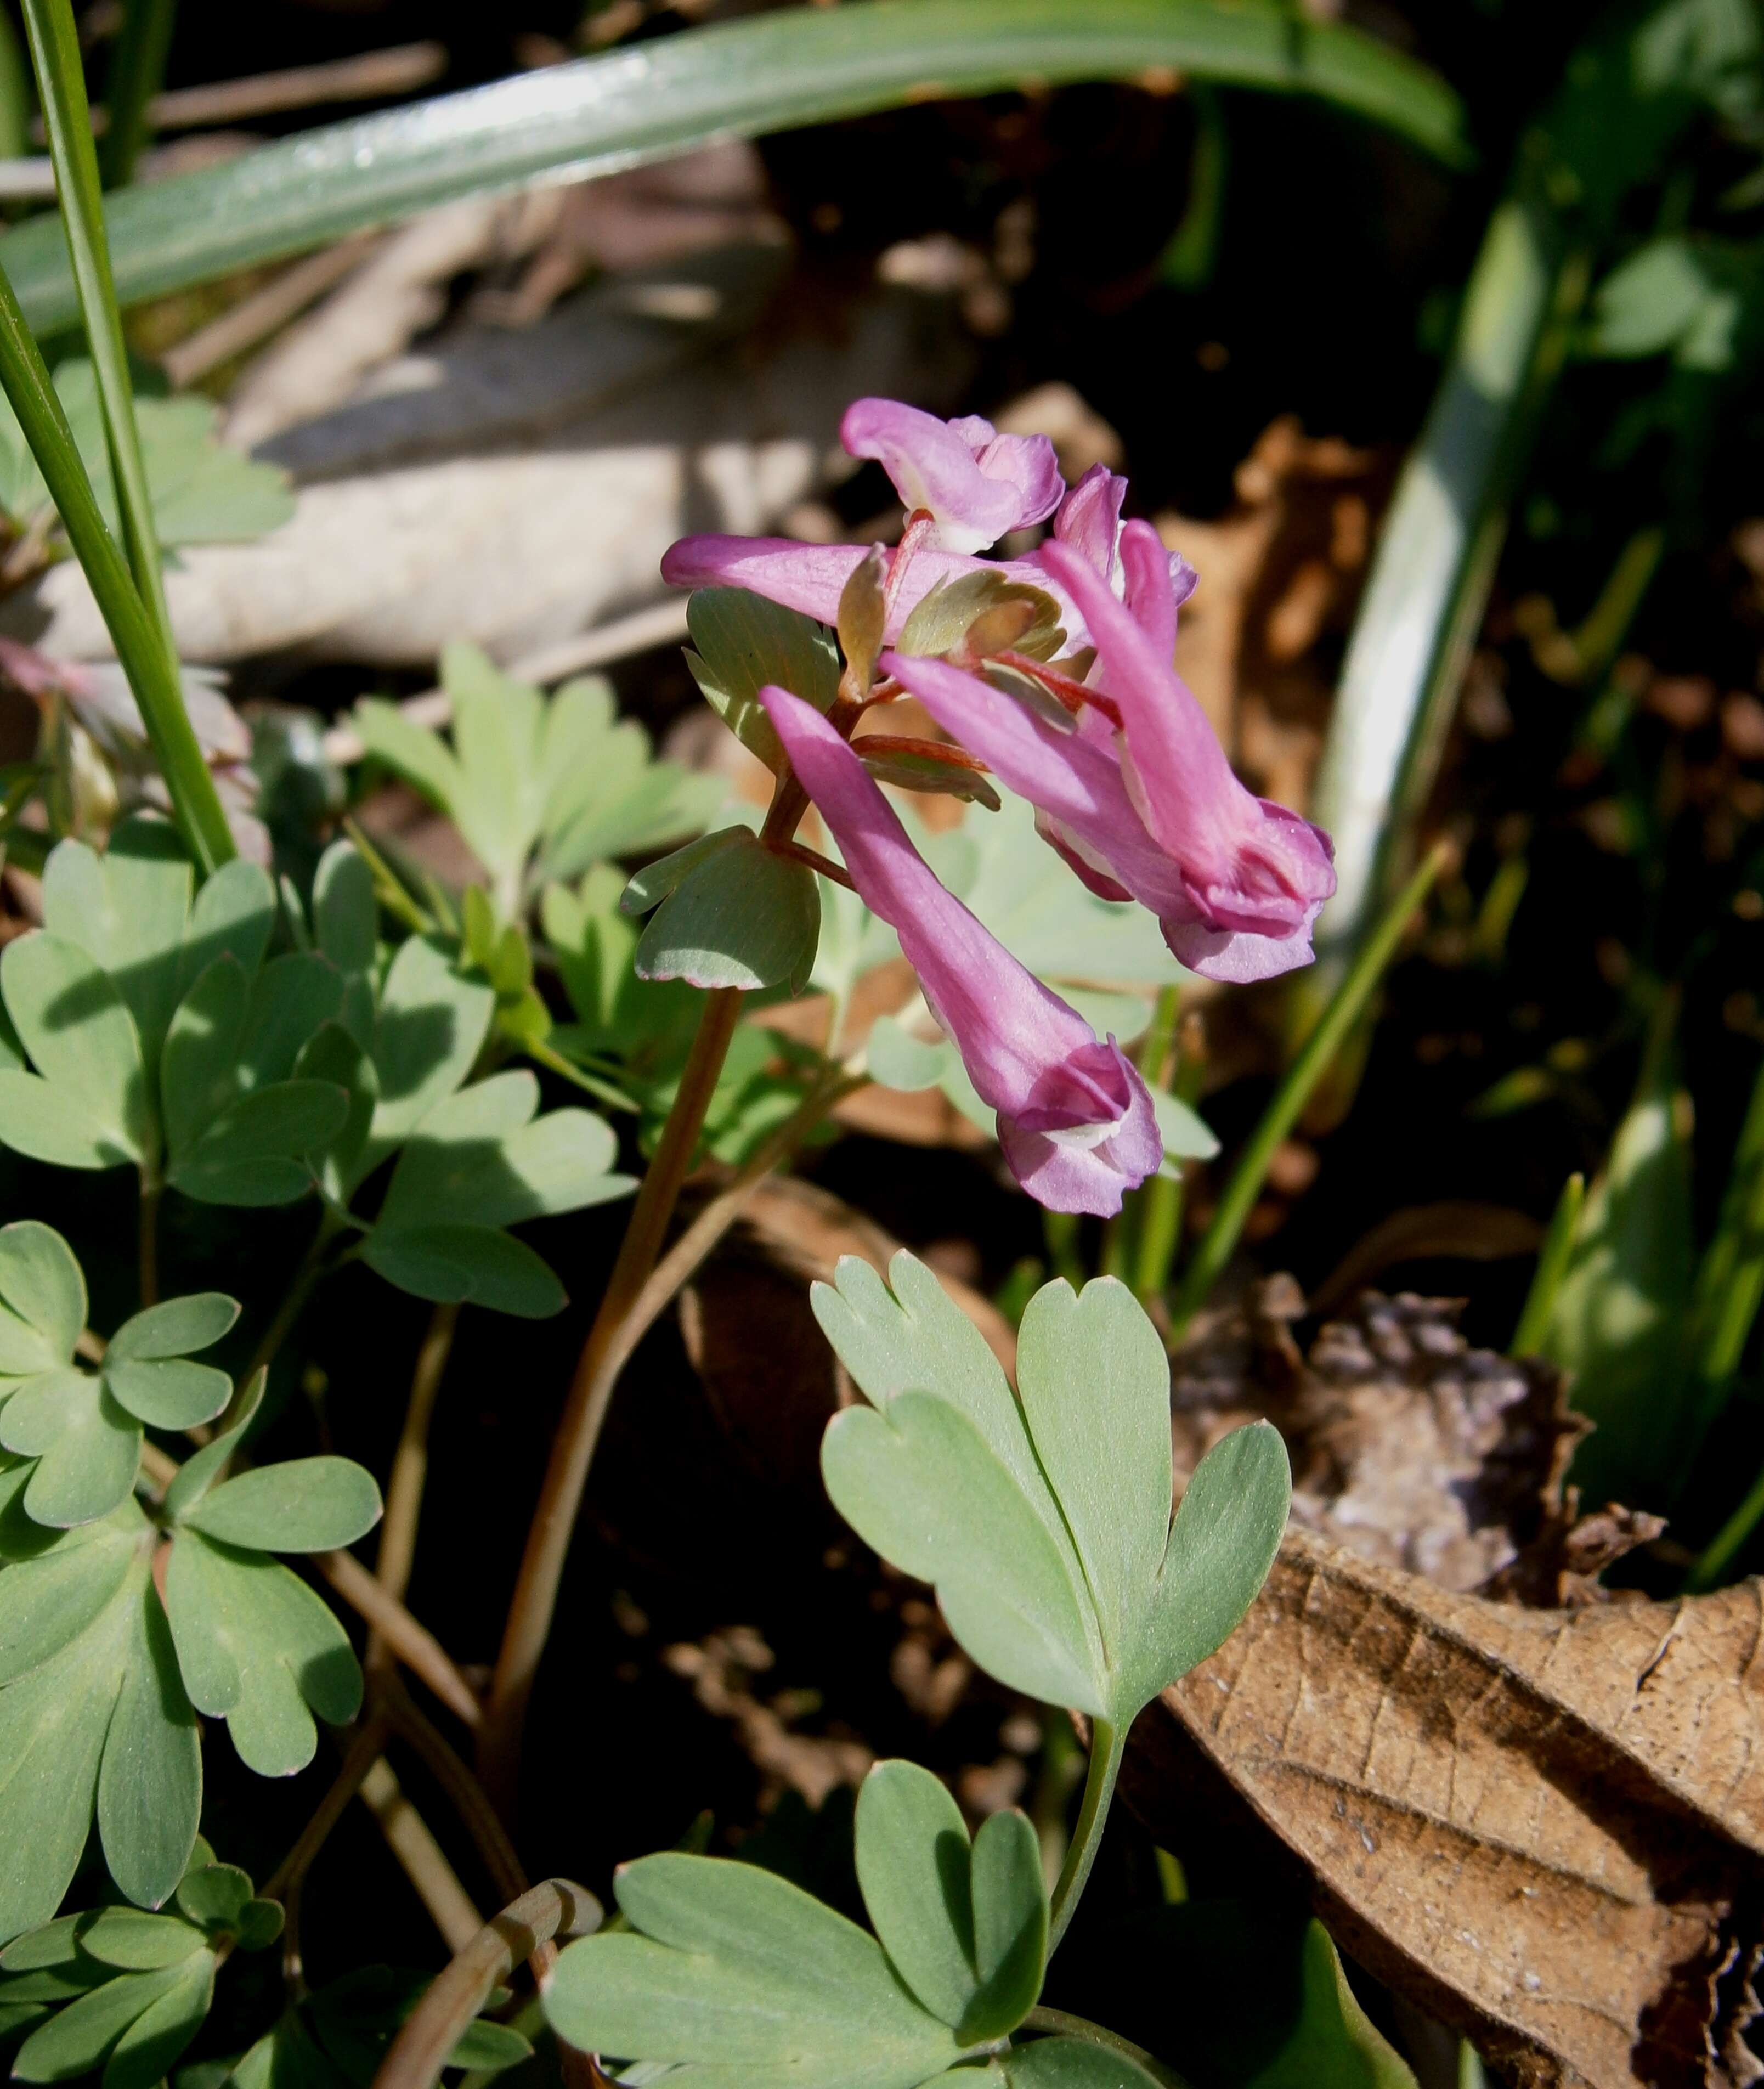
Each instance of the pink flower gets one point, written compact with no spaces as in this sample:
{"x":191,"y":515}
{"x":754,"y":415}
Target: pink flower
{"x":810,"y":577}
{"x":1076,"y":1122}
{"x":975,"y":484}
{"x":1089,"y":523}
{"x":1150,"y":811}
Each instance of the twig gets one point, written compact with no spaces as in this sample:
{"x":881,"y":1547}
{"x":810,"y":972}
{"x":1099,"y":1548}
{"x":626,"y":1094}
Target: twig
{"x":286,"y":1882}
{"x":258,"y":316}
{"x":604,"y":1357}
{"x":410,"y":1465}
{"x":451,"y":1908}
{"x":414,"y":1644}
{"x":464,"y":1791}
{"x":375,"y":76}
{"x":419,"y":2053}
{"x":603,"y":1354}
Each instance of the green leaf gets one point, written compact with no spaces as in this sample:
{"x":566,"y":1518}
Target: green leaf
{"x":907,"y":769}
{"x":202,"y":1468}
{"x":744,"y":642}
{"x":135,"y":1942}
{"x":1186,"y":1134}
{"x":87,"y":1447}
{"x":175,"y":1328}
{"x":1334,"y":2045}
{"x":256,"y":1647}
{"x":746,"y":918}
{"x":1071,"y":2063}
{"x":301,"y":1505}
{"x":345,"y":918}
{"x":79,"y":2038}
{"x":1010,"y":1924}
{"x":655,"y":881}
{"x":256,"y":1150}
{"x":82,"y":1039}
{"x":335,"y":1058}
{"x":745,"y":79}
{"x":736,"y":1968}
{"x":146,"y":2049}
{"x":214,"y":1896}
{"x":92,"y":1717}
{"x":469,"y":1265}
{"x":44,"y":1295}
{"x":1620,"y":1317}
{"x":606,"y":795}
{"x":428,"y":1028}
{"x":1046,"y":1527}
{"x":127,"y":910}
{"x":234,"y":915}
{"x":912,"y":1855}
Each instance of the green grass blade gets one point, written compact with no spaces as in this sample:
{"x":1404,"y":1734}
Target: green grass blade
{"x":152,"y":673}
{"x":1730,"y":1278}
{"x":1219,"y":1241}
{"x":61,"y":87}
{"x":778,"y":71}
{"x":1551,"y":1268}
{"x":15,"y":103}
{"x":1629,"y":91}
{"x":136,"y":75}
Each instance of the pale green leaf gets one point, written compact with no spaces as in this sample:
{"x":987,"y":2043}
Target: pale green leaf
{"x":1010,"y":1925}
{"x":86,"y":1446}
{"x":335,"y":1058}
{"x":171,"y":1394}
{"x":910,"y":1844}
{"x":300,"y":1505}
{"x":345,"y":919}
{"x":1335,"y":2043}
{"x":430,"y":1027}
{"x":469,"y":1265}
{"x":133,"y":1940}
{"x":44,"y":1294}
{"x":144,"y":2053}
{"x":256,"y":1150}
{"x":731,"y":1967}
{"x":127,"y":910}
{"x":234,"y":915}
{"x":81,"y":1037}
{"x":77,"y":2040}
{"x":655,"y":881}
{"x":174,"y":1328}
{"x":1071,"y":2063}
{"x":257,"y":1647}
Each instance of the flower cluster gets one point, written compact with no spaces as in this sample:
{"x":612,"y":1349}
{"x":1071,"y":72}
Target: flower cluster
{"x":1109,"y":745}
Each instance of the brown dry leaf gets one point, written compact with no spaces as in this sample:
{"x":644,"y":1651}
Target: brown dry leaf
{"x":1280,"y":572}
{"x":1544,"y":1826}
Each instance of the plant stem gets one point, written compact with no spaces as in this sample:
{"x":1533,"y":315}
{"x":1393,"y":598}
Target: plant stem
{"x":136,"y":73}
{"x":1219,"y":1241}
{"x":465,"y":1793}
{"x":450,"y":1907}
{"x":1106,"y":1748}
{"x":459,"y":1991}
{"x":152,"y":670}
{"x":573,"y":1449}
{"x":152,"y":1190}
{"x":410,"y":1467}
{"x":402,"y":1634}
{"x":285,"y":1882}
{"x":1552,"y":1260}
{"x":1060,"y":2024}
{"x":60,"y":86}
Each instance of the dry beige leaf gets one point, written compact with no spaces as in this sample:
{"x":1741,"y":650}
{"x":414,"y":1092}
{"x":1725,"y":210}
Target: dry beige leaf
{"x":1544,"y":1826}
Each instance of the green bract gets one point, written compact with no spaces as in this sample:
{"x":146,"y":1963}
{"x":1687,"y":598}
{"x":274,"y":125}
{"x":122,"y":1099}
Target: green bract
{"x":1044,"y":1521}
{"x":563,"y":777}
{"x":730,"y":912}
{"x":158,"y":1035}
{"x":743,"y":641}
{"x":76,"y":1434}
{"x":124,"y":1992}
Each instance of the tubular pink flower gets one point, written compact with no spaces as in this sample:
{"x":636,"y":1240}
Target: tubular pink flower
{"x":1089,"y":523}
{"x":1076,"y":1122}
{"x":810,"y":577}
{"x":975,"y":483}
{"x":1152,"y":813}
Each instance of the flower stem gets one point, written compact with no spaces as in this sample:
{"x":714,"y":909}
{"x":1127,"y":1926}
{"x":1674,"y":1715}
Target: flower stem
{"x":1106,"y":1748}
{"x":1060,"y":2024}
{"x":572,"y":1450}
{"x":1219,"y":1241}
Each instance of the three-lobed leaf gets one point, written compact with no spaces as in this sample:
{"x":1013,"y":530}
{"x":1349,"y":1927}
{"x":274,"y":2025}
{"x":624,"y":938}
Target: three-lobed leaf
{"x":1045,"y":1524}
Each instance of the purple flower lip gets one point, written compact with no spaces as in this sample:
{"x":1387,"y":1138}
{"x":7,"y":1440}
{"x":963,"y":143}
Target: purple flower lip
{"x":976,"y":484}
{"x":1076,"y":1122}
